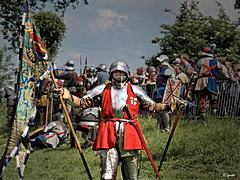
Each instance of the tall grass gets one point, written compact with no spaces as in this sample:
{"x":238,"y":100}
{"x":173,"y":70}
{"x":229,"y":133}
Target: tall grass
{"x":196,"y":152}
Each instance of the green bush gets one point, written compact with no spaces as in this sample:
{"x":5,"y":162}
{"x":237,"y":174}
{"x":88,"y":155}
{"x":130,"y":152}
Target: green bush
{"x":3,"y":118}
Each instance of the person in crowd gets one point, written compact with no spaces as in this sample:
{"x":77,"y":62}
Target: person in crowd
{"x":187,"y":66}
{"x":151,"y":81}
{"x":180,"y":75}
{"x":206,"y":85}
{"x":11,"y":96}
{"x":141,"y":77}
{"x":117,"y":138}
{"x":225,"y":75}
{"x":134,"y":79}
{"x":73,"y":83}
{"x":68,"y":76}
{"x":91,"y":78}
{"x":102,"y":73}
{"x":230,"y":70}
{"x":165,"y":72}
{"x":177,"y":61}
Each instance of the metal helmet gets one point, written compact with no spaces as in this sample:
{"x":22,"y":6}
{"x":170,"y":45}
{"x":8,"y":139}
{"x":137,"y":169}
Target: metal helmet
{"x":121,"y":66}
{"x":69,"y":65}
{"x":162,"y":58}
{"x":91,"y":71}
{"x":102,"y":67}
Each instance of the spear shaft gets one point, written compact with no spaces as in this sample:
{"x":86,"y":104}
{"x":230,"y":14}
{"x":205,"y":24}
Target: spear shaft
{"x":72,"y":130}
{"x":177,"y":119}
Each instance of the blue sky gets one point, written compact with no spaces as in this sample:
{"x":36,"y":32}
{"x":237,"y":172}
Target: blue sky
{"x":107,"y":30}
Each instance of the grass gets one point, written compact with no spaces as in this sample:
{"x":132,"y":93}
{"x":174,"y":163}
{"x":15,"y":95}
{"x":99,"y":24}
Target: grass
{"x":196,"y":152}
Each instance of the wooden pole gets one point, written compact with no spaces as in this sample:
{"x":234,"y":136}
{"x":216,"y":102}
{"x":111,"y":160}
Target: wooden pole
{"x":177,"y":119}
{"x":72,"y":130}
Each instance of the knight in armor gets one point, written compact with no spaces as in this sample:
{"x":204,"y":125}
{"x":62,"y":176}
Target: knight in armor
{"x":102,"y":73}
{"x":206,"y":84}
{"x":69,"y":77}
{"x":11,"y":96}
{"x":89,"y":133}
{"x":165,"y":72}
{"x":117,"y":139}
{"x":72,"y":83}
{"x":91,"y":78}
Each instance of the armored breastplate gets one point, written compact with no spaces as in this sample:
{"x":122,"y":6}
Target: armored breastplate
{"x":119,"y":98}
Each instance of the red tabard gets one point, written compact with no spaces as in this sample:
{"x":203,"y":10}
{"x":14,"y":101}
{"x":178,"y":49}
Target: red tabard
{"x":106,"y":132}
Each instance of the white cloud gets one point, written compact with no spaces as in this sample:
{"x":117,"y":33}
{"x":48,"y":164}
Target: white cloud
{"x":109,"y":19}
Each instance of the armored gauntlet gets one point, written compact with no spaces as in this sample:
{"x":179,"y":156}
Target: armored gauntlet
{"x":86,"y":103}
{"x":158,"y":107}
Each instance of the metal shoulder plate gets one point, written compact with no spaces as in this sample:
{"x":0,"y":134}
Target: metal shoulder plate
{"x":140,"y":93}
{"x":95,"y":91}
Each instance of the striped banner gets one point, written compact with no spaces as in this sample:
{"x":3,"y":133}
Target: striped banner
{"x":32,"y":64}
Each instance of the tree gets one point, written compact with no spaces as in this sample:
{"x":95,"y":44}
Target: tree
{"x":192,"y":31}
{"x":6,"y":69}
{"x":237,"y":4}
{"x":52,"y":29}
{"x":225,"y":34}
{"x":11,"y":13}
{"x":186,"y":34}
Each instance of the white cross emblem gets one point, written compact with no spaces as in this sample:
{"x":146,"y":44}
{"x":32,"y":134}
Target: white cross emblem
{"x":133,"y":101}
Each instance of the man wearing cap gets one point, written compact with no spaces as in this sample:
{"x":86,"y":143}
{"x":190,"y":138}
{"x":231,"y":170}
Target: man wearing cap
{"x":206,"y":85}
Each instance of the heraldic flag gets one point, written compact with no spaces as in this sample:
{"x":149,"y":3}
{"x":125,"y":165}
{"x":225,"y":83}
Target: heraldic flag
{"x":32,"y":64}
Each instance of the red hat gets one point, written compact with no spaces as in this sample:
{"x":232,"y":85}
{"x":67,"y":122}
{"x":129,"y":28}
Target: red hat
{"x":209,"y":50}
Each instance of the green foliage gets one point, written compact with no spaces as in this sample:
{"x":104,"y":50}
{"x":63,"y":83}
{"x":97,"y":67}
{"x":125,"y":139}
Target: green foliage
{"x":237,"y":4}
{"x":192,"y":31}
{"x":196,"y":152}
{"x":3,"y":122}
{"x":52,"y":29}
{"x":11,"y":15}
